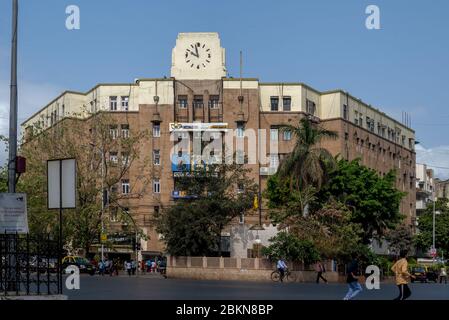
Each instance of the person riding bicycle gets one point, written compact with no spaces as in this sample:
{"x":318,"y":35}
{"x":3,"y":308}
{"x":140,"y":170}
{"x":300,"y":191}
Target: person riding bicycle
{"x":282,"y":267}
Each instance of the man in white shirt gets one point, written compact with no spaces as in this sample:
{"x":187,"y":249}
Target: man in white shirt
{"x":281,"y":266}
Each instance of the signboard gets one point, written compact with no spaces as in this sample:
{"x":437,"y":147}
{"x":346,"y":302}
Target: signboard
{"x":433,"y":252}
{"x":13,"y":213}
{"x":198,"y":126}
{"x":61,"y":178}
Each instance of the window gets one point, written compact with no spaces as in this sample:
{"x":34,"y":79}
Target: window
{"x":274,"y":160}
{"x":240,"y":188}
{"x":198,"y":101}
{"x":274,"y":134}
{"x":356,"y":118}
{"x":274,"y":103}
{"x":182,"y":102}
{"x":156,"y":186}
{"x":287,"y":135}
{"x":125,"y":158}
{"x":287,"y":103}
{"x":345,"y":112}
{"x":360,"y":119}
{"x":214,"y":101}
{"x":125,"y":131}
{"x":113,"y":157}
{"x":113,"y":103}
{"x":125,"y":103}
{"x":156,"y":130}
{"x":156,"y":211}
{"x":156,"y":157}
{"x":125,"y":186}
{"x":113,"y":132}
{"x":240,"y":130}
{"x":113,"y":194}
{"x":310,"y":107}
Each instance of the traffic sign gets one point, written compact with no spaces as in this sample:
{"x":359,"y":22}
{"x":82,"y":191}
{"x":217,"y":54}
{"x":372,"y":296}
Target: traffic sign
{"x":104,"y":237}
{"x":433,"y":252}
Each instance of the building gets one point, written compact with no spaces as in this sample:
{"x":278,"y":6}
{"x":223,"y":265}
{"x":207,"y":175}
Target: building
{"x":199,"y":96}
{"x":425,"y":187}
{"x":441,"y":188}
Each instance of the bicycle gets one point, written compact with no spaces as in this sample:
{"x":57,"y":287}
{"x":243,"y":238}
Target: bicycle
{"x":288,"y":276}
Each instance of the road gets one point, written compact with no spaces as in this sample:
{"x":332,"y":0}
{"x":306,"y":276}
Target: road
{"x":155,"y":288}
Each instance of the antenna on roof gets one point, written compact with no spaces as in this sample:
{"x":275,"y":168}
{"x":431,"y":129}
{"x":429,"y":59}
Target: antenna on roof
{"x":240,"y":114}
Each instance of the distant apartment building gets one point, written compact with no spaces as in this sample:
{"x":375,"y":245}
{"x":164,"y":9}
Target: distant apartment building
{"x":199,"y":96}
{"x":425,"y":187}
{"x":442,"y":188}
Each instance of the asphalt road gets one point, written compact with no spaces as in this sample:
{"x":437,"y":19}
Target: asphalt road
{"x":156,"y":288}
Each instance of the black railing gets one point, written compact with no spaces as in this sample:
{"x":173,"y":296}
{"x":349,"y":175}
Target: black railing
{"x":29,"y":265}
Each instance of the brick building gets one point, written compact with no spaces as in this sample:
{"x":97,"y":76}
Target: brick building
{"x":200,"y":97}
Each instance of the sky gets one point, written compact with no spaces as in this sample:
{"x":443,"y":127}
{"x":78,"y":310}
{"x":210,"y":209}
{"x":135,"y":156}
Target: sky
{"x":404,"y":66}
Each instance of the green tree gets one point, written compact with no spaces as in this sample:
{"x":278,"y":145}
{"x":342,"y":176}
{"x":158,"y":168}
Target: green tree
{"x":193,"y":227}
{"x":90,"y":142}
{"x":400,"y":238}
{"x":308,"y":164}
{"x":373,"y":200}
{"x":423,"y":240}
{"x":287,"y":246}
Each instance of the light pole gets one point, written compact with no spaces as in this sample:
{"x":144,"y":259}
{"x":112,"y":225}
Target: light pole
{"x":103,"y":198}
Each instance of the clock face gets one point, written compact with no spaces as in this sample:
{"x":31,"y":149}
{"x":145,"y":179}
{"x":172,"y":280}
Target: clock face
{"x":198,"y":56}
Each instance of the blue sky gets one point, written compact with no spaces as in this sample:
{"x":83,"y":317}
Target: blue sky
{"x":402,"y":67}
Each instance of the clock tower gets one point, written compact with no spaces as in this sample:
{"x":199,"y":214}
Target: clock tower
{"x":198,"y":56}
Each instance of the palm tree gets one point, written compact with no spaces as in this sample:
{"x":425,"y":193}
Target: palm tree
{"x":308,"y":165}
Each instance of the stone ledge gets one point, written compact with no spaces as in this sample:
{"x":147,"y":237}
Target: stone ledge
{"x":34,"y":297}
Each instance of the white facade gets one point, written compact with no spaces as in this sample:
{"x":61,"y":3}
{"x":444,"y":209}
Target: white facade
{"x":425,"y":187}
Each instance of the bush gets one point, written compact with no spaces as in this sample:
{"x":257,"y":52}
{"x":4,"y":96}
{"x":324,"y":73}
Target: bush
{"x":289,"y":247}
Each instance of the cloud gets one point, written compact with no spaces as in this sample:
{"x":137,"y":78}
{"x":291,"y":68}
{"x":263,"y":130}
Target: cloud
{"x":32,"y":97}
{"x":434,"y":157}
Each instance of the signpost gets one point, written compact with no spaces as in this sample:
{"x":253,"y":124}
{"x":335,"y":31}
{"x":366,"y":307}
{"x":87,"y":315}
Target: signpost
{"x":61,"y":192}
{"x":13,"y":213}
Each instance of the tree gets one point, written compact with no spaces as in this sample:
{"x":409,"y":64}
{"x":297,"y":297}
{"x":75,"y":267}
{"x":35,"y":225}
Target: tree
{"x":288,"y":246}
{"x":373,"y":200}
{"x":400,"y":238}
{"x":95,"y":144}
{"x":307,"y":164}
{"x":193,"y":227}
{"x":423,"y":240}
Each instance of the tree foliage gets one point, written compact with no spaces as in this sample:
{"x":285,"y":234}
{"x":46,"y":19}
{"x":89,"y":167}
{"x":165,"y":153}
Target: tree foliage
{"x":289,"y":247}
{"x":423,"y":240}
{"x":308,"y":164}
{"x":373,"y":200}
{"x":193,"y":227}
{"x":91,"y":142}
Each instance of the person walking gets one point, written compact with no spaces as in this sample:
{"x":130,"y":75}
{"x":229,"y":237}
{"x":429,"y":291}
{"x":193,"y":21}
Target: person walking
{"x":148,"y":265}
{"x":400,"y":269}
{"x":128,"y":267}
{"x":282,"y":267}
{"x":443,"y":275}
{"x":320,"y":269}
{"x":101,"y":267}
{"x":354,"y":287}
{"x":133,"y":267}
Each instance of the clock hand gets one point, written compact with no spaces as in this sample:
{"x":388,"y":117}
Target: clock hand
{"x":196,"y":50}
{"x":193,"y":54}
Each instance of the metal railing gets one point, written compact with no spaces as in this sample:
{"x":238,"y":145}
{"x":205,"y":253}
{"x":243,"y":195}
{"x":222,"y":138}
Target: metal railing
{"x":29,"y":265}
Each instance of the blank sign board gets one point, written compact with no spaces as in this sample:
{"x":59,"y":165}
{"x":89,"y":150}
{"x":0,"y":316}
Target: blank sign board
{"x":61,"y":177}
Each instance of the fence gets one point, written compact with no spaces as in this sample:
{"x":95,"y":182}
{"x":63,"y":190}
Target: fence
{"x":29,"y":265}
{"x":235,"y":268}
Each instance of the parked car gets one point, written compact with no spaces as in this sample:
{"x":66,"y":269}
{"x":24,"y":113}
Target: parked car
{"x":82,"y":263}
{"x":424,"y":274}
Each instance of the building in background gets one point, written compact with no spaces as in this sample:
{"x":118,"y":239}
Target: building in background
{"x":425,"y":188}
{"x":442,"y":188}
{"x":200,"y":96}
